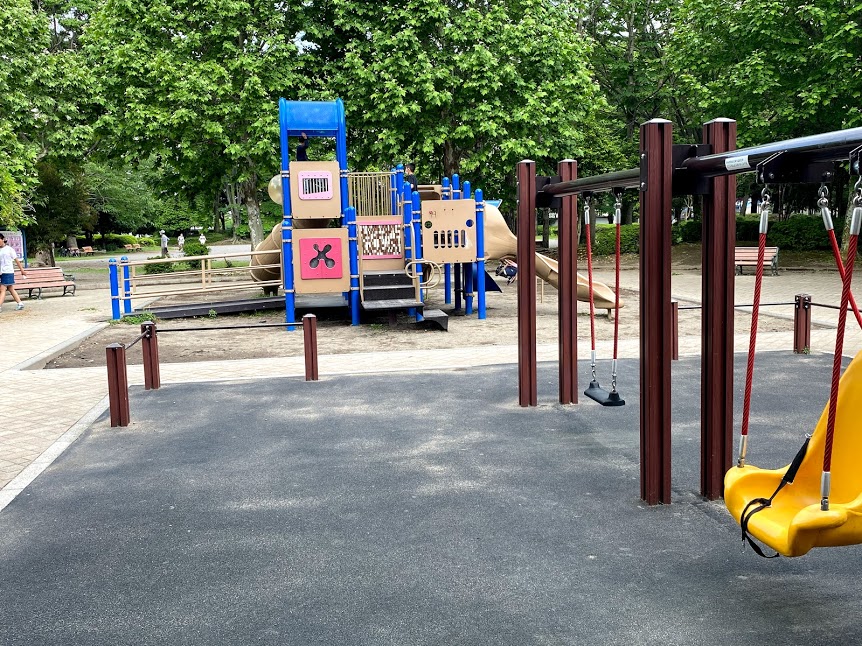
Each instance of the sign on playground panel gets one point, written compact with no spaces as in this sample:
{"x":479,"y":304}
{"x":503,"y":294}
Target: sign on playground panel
{"x":320,"y":261}
{"x":315,"y":190}
{"x":449,"y":230}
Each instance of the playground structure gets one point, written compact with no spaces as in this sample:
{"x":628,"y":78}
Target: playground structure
{"x":360,"y":240}
{"x":803,"y":515}
{"x":402,"y":237}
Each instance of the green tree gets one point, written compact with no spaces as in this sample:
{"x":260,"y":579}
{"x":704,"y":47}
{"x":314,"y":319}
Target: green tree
{"x":23,"y":38}
{"x":469,"y":87}
{"x":195,"y":85}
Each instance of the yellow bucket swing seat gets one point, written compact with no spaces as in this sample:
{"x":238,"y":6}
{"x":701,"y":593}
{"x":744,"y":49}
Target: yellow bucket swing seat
{"x":793,"y":523}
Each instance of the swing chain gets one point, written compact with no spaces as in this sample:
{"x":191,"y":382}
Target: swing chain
{"x":765,"y":208}
{"x":614,"y":376}
{"x":823,"y":203}
{"x":618,"y":207}
{"x":587,"y":200}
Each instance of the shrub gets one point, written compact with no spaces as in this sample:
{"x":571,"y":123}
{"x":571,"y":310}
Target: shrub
{"x":114,"y":239}
{"x":747,"y":228}
{"x":799,"y":233}
{"x":606,"y":239}
{"x":160,"y":267}
{"x":195,"y":248}
{"x":688,"y":231}
{"x":242,"y":231}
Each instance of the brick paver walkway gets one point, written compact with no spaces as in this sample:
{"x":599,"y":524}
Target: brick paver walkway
{"x":46,"y":404}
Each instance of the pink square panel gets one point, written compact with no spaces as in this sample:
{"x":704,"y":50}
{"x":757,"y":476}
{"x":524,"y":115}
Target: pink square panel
{"x":320,"y":258}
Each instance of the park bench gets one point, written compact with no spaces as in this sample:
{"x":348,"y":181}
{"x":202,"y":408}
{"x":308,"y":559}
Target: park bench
{"x":132,"y":247}
{"x":39,"y":278}
{"x":747,"y":257}
{"x":87,"y":251}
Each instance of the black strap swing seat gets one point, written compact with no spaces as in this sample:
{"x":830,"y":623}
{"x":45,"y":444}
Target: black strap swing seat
{"x":594,"y":391}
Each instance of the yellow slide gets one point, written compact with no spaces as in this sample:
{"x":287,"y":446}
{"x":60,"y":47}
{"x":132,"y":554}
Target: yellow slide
{"x":501,"y":243}
{"x":794,"y":523}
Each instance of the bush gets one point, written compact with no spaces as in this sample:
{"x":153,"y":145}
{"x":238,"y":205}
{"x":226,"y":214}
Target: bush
{"x":160,"y":267}
{"x":747,"y":228}
{"x":195,"y":248}
{"x":799,"y":233}
{"x":242,"y":231}
{"x":118,"y":241}
{"x":687,"y":231}
{"x":606,"y":239}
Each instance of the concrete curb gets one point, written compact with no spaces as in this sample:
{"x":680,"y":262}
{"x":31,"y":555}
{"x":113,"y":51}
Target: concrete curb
{"x":30,"y":473}
{"x":40,"y":360}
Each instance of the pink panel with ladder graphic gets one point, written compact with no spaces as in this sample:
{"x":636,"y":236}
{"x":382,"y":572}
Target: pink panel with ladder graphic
{"x":320,"y":258}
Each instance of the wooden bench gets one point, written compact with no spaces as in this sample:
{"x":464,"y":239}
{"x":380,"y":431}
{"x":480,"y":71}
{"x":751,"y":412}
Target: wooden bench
{"x":132,"y":247}
{"x":39,"y":278}
{"x":87,"y":251}
{"x":747,"y":257}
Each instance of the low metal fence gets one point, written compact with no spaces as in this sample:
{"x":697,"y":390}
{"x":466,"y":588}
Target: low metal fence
{"x":118,"y":381}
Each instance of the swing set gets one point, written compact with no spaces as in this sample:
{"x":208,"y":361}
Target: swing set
{"x":817,"y":500}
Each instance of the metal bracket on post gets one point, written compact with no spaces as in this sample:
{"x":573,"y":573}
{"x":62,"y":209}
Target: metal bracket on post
{"x":686,"y":182}
{"x":793,"y":168}
{"x":856,"y":161}
{"x":543,"y":200}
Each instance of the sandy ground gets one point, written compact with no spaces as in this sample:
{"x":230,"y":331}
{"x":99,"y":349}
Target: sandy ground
{"x":337,"y":336}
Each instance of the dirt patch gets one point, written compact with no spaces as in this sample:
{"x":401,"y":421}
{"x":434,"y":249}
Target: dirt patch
{"x":337,"y":336}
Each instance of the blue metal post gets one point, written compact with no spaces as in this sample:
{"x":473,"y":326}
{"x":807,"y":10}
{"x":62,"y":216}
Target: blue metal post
{"x":398,"y":193}
{"x":417,"y":241}
{"x":115,"y":289}
{"x":447,"y":282}
{"x":407,"y":203}
{"x":458,"y":290}
{"x":341,"y":153}
{"x":287,"y":221}
{"x":480,"y":249}
{"x":24,"y":245}
{"x":350,"y":216}
{"x":466,"y":194}
{"x":468,"y":288}
{"x":447,"y":189}
{"x":456,"y":187}
{"x":127,"y":286}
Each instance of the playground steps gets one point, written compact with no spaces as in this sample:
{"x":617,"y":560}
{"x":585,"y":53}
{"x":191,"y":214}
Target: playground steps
{"x":438,"y":318}
{"x":388,"y":290}
{"x":305,"y":303}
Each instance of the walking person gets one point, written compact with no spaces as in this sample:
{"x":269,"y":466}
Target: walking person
{"x":7,"y":273}
{"x":164,"y":244}
{"x":181,"y":240}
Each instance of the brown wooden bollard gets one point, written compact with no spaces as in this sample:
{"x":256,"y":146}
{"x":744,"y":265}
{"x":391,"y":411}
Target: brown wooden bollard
{"x":118,"y":384}
{"x":802,"y":324}
{"x":150,"y":350}
{"x":674,"y":331}
{"x":309,"y":332}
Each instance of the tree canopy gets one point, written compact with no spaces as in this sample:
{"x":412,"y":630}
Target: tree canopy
{"x":155,"y":111}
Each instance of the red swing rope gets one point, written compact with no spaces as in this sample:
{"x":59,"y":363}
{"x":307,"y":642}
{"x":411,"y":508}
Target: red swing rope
{"x":823,"y":203}
{"x":855,"y":223}
{"x":755,"y":314}
{"x":618,"y":215}
{"x":587,"y":201}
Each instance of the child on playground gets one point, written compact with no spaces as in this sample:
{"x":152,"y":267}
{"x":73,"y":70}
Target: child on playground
{"x":410,"y":176}
{"x":7,"y":273}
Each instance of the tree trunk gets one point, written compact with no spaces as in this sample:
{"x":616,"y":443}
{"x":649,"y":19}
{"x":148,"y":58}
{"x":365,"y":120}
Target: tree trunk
{"x":249,"y":193}
{"x":451,"y":161}
{"x":628,"y":212}
{"x":218,"y":222}
{"x":232,"y":190}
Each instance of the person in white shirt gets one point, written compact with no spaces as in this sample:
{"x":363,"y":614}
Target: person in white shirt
{"x":202,"y":239}
{"x":7,"y":273}
{"x":164,"y":244}
{"x":181,"y":240}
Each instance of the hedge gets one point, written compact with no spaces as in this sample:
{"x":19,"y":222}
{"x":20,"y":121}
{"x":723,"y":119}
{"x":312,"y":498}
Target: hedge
{"x":605,"y":244}
{"x":195,"y":248}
